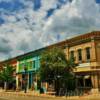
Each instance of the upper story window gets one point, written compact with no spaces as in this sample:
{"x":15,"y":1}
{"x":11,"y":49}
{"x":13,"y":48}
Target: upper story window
{"x":21,"y":66}
{"x":80,"y":55}
{"x":30,"y":64}
{"x":33,"y":63}
{"x":88,"y":53}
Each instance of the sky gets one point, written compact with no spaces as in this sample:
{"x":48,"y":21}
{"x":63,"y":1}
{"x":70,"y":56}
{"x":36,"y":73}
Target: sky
{"x":27,"y":25}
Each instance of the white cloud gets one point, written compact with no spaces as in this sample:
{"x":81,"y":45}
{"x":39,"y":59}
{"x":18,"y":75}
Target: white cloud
{"x":80,"y":16}
{"x":48,"y":4}
{"x":27,"y":29}
{"x":9,"y":19}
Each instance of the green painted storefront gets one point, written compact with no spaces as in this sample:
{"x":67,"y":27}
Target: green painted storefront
{"x":32,"y":63}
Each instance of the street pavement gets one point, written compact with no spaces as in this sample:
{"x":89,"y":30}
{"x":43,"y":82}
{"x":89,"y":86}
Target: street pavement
{"x":2,"y":98}
{"x":45,"y":98}
{"x":29,"y":98}
{"x":23,"y":96}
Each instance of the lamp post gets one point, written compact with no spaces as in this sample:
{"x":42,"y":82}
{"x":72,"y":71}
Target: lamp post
{"x":25,"y":79}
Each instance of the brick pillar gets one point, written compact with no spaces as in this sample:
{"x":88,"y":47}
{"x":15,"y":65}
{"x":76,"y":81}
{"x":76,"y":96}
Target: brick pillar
{"x":17,"y":83}
{"x":93,"y":50}
{"x":75,"y":55}
{"x":95,"y":83}
{"x":66,"y":51}
{"x":84,"y":55}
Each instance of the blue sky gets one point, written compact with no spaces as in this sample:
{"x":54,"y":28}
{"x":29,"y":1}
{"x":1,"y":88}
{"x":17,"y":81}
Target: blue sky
{"x":26,"y":25}
{"x":97,"y":1}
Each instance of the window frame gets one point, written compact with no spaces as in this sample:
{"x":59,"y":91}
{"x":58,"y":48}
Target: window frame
{"x":88,"y":53}
{"x":79,"y":51}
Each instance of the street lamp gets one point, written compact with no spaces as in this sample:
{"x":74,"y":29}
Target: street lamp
{"x":25,"y":79}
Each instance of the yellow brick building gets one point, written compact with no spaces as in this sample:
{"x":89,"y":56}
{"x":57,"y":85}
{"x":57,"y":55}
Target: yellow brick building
{"x":86,"y":51}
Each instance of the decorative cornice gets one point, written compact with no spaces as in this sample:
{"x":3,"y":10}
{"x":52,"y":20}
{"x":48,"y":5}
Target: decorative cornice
{"x":78,"y":39}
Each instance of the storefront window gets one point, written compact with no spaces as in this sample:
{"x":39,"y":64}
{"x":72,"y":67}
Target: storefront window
{"x":21,"y":66}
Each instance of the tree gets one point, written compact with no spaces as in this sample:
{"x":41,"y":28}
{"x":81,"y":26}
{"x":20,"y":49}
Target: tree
{"x":6,"y":75}
{"x":55,"y":66}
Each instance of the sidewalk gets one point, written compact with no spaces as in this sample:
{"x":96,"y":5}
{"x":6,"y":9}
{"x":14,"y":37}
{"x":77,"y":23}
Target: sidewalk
{"x":21,"y":93}
{"x":32,"y":94}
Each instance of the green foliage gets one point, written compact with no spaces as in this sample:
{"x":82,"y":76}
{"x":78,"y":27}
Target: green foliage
{"x":54,"y":63}
{"x":6,"y":75}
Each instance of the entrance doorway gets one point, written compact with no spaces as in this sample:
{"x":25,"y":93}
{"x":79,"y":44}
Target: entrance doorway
{"x":30,"y":80}
{"x":84,"y":82}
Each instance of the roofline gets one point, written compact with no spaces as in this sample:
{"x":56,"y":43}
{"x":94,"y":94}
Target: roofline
{"x":67,"y":41}
{"x":79,"y":37}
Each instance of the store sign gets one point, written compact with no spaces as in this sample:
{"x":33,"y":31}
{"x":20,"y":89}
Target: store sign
{"x":84,"y":65}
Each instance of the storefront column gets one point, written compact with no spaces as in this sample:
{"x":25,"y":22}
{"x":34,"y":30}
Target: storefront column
{"x":95,"y":83}
{"x":35,"y":83}
{"x":28,"y":81}
{"x":84,"y":82}
{"x":16,"y":82}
